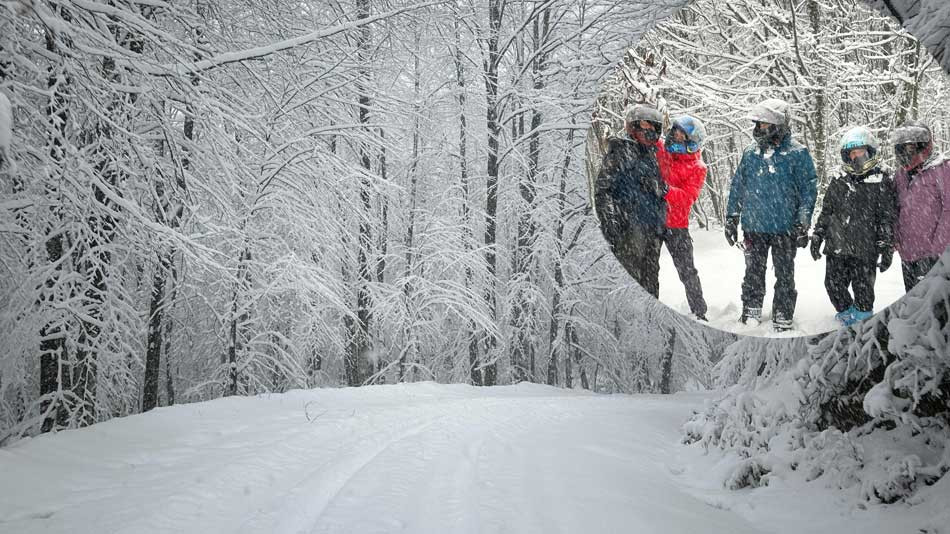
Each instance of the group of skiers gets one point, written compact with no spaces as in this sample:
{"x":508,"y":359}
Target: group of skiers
{"x":649,"y":181}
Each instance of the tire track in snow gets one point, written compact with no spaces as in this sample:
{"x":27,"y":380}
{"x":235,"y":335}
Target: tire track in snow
{"x":295,"y":508}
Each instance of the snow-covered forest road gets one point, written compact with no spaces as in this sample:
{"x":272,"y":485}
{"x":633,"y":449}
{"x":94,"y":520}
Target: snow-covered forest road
{"x":420,"y":458}
{"x":413,"y":458}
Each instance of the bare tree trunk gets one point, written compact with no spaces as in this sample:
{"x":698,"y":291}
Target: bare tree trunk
{"x":818,"y":95}
{"x":384,"y":213}
{"x":495,"y":14}
{"x":666,"y":378}
{"x":154,"y":343}
{"x":474,"y":361}
{"x":166,"y":347}
{"x":560,"y":253}
{"x":523,"y":356}
{"x":170,"y":212}
{"x":908,"y":106}
{"x":575,"y":349}
{"x":240,"y":315}
{"x":408,"y":354}
{"x":360,"y":328}
{"x":54,"y":371}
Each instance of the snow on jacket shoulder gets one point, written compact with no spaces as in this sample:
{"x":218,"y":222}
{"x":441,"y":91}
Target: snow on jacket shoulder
{"x":923,"y":225}
{"x":857,"y":214}
{"x":774,"y":189}
{"x":685,"y":175}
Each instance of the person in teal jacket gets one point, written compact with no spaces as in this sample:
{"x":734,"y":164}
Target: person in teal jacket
{"x":772,"y":194}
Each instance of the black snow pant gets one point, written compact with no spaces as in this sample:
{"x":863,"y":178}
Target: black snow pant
{"x":858,"y":273}
{"x":783,"y":248}
{"x":638,"y":250}
{"x":680,"y":245}
{"x":914,"y":271}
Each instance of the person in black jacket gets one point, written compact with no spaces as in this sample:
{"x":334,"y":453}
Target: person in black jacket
{"x":856,"y":225}
{"x":628,"y":197}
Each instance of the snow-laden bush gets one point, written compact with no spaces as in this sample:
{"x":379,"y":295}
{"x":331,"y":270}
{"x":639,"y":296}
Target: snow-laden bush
{"x":865,"y":408}
{"x":757,"y":360}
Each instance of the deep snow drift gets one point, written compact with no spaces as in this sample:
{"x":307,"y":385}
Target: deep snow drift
{"x":721,"y":269}
{"x":420,"y":458}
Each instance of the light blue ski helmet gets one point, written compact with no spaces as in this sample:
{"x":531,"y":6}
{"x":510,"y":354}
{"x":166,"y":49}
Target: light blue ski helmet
{"x":860,"y":137}
{"x":695,"y":135}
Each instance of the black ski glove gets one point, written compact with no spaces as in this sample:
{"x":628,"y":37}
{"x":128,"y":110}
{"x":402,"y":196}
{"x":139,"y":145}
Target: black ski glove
{"x":816,"y":241}
{"x":887,"y":255}
{"x":800,"y":234}
{"x":732,"y":230}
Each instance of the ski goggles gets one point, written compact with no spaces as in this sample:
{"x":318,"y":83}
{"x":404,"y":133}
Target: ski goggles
{"x":650,"y":134}
{"x":679,"y":147}
{"x":910,"y":155}
{"x":907,"y":150}
{"x":688,"y":147}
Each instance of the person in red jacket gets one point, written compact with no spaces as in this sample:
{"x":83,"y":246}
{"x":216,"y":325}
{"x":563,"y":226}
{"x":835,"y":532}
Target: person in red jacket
{"x":684,"y":172}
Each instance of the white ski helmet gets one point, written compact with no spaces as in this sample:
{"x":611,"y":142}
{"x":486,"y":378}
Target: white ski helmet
{"x":860,"y":137}
{"x":773,"y":111}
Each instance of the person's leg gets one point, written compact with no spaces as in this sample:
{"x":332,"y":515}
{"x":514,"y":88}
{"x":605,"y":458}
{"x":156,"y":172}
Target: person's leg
{"x":915,"y":271}
{"x":907,"y":273}
{"x":625,"y":251}
{"x":650,"y":263}
{"x":753,"y":282}
{"x":783,"y":261}
{"x":837,"y":279}
{"x":680,"y":245}
{"x":864,"y":275}
{"x":635,"y":251}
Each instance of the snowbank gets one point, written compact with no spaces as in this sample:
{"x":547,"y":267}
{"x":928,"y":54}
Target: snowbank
{"x":863,"y":410}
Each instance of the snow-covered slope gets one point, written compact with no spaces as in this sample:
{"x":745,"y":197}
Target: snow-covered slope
{"x":421,"y":458}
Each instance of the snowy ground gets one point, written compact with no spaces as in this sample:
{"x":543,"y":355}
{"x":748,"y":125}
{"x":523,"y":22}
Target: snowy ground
{"x":420,"y":458}
{"x":721,"y":269}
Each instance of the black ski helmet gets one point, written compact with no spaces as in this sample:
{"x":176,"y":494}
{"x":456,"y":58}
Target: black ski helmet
{"x":913,"y":143}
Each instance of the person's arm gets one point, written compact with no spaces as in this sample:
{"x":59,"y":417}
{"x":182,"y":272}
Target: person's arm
{"x":737,"y":188}
{"x":887,"y":218}
{"x":828,"y":206}
{"x":664,"y":161}
{"x":687,"y":195}
{"x":808,"y":189}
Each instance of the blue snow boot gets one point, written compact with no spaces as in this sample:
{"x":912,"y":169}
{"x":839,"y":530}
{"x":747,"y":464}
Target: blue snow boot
{"x":846,"y":317}
{"x":858,"y":316}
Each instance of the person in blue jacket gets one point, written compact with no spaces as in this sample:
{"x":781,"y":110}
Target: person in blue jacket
{"x":772,"y":194}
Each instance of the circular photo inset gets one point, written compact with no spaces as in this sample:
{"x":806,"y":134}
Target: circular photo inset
{"x":774,"y":172}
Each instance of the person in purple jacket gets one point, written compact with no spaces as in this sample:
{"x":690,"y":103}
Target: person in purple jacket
{"x":923,"y":194}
